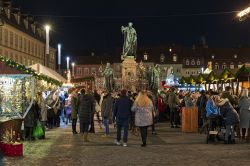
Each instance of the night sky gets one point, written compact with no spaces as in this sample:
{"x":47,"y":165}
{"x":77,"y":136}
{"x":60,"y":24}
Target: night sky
{"x":97,"y":23}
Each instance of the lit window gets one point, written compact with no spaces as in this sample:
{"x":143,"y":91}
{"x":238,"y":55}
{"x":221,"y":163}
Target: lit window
{"x":174,"y":58}
{"x":224,"y":66}
{"x":232,"y":65}
{"x":145,"y":56}
{"x":212,"y":56}
{"x":235,"y":56}
{"x":86,"y":71}
{"x":198,"y":62}
{"x":162,"y":58}
{"x":216,"y":66}
{"x":193,"y":62}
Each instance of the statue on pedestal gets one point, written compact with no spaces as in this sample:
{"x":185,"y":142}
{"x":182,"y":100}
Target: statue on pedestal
{"x":130,"y":41}
{"x":108,"y":77}
{"x":155,"y":78}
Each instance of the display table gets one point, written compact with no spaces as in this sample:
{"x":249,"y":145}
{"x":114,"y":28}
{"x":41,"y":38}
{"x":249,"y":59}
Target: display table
{"x":13,"y":125}
{"x":190,"y":119}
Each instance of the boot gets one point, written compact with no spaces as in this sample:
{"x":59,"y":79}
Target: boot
{"x":74,"y":129}
{"x":86,"y":137}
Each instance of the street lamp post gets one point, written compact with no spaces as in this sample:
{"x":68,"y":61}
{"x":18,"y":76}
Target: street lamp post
{"x":59,"y":57}
{"x":46,"y":59}
{"x":73,"y":69}
{"x":67,"y":62}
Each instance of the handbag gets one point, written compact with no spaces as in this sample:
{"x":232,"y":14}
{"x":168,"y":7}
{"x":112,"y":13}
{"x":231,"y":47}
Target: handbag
{"x":38,"y":131}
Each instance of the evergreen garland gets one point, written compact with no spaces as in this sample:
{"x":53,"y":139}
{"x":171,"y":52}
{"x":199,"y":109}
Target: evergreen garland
{"x":28,"y":70}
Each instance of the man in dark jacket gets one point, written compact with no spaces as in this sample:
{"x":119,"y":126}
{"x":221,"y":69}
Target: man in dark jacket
{"x":122,"y":111}
{"x":85,"y":111}
{"x":107,"y":106}
{"x":173,"y":103}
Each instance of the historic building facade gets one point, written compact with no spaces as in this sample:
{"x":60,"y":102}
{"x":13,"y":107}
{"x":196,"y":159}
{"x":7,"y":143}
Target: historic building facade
{"x":23,"y":40}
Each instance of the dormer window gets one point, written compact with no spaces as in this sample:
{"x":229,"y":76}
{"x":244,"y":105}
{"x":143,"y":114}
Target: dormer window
{"x":193,"y":62}
{"x":187,"y":62}
{"x":175,"y":58}
{"x":162,"y":58}
{"x":235,"y":56}
{"x":212,"y":56}
{"x":26,"y":23}
{"x":198,"y":62}
{"x":145,"y":56}
{"x":33,"y":26}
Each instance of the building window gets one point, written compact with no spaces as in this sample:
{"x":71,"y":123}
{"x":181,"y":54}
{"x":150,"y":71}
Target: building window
{"x":16,"y":41}
{"x":212,"y":56}
{"x":162,"y":58}
{"x":21,"y":43}
{"x":177,"y":70}
{"x":28,"y":46}
{"x":224,"y":66}
{"x":198,"y":62}
{"x":216,"y":66}
{"x":1,"y":35}
{"x":25,"y":45}
{"x":187,"y":72}
{"x":174,"y":58}
{"x":93,"y":70}
{"x":86,"y":71}
{"x":187,"y":62}
{"x":6,"y":36}
{"x":79,"y":71}
{"x":145,"y":56}
{"x":32,"y":48}
{"x":11,"y":39}
{"x":232,"y":65}
{"x":235,"y":56}
{"x":193,"y":62}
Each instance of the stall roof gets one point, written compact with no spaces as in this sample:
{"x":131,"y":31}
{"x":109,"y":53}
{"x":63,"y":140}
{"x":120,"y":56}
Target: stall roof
{"x":40,"y":69}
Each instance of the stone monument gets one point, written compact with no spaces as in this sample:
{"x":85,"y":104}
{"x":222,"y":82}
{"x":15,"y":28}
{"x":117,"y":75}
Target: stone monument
{"x":129,"y":65}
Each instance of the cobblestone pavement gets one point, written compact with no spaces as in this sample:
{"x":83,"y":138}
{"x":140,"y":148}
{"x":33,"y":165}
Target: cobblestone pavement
{"x":169,"y":147}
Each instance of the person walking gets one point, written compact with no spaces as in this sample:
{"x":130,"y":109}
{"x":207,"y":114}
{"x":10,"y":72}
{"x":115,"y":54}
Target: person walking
{"x":144,"y":110}
{"x":244,"y":105}
{"x":173,"y":103}
{"x":107,"y":106}
{"x":122,"y":111}
{"x":85,"y":111}
{"x":74,"y":111}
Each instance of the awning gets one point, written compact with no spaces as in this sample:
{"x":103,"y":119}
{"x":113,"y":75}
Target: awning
{"x":40,"y":69}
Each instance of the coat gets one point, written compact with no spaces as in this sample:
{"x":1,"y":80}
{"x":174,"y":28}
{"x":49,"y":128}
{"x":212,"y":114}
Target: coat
{"x":85,"y":108}
{"x":229,"y":114}
{"x":143,"y":115}
{"x":74,"y":107}
{"x":244,"y":105}
{"x":107,"y":106}
{"x":122,"y":108}
{"x":43,"y":113}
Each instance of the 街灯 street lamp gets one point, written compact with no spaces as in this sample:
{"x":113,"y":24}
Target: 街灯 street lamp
{"x":73,"y":69}
{"x":59,"y":46}
{"x":46,"y":59}
{"x":67,"y":62}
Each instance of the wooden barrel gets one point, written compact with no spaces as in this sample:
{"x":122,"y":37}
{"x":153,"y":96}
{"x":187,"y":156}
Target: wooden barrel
{"x":190,"y":119}
{"x":14,"y":124}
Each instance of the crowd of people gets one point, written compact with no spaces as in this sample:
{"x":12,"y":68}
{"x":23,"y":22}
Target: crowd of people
{"x":139,"y":111}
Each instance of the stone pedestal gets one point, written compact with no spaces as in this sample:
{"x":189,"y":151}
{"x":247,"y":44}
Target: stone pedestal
{"x":129,"y":73}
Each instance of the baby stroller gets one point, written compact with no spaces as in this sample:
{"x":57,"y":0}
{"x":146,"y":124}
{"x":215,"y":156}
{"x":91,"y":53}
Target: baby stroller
{"x":216,"y":129}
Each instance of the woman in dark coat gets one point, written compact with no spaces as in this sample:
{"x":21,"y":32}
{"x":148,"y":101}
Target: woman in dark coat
{"x":85,"y":112}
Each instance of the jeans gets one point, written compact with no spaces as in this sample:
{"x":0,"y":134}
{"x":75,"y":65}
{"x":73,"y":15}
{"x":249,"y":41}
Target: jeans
{"x":229,"y":131}
{"x":144,"y":133}
{"x":106,"y":125}
{"x":122,"y":123}
{"x":173,"y":116}
{"x":74,"y":125}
